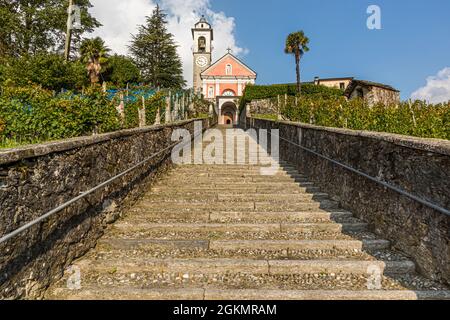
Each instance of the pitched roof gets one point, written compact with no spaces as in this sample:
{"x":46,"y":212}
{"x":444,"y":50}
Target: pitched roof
{"x":211,"y":67}
{"x":335,"y":79}
{"x":366,"y":83}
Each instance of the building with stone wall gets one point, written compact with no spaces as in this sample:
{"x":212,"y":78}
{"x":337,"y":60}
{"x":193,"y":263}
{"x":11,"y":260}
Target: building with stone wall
{"x":338,"y":83}
{"x":372,"y":92}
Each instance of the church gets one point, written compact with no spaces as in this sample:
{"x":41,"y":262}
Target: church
{"x":222,"y":82}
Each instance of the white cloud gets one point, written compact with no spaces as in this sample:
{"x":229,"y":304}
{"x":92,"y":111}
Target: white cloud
{"x":120,"y":19}
{"x":437,"y":88}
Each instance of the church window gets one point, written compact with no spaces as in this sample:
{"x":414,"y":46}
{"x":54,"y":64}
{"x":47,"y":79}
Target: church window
{"x":211,"y":92}
{"x":229,"y":70}
{"x":342,"y":86}
{"x":228,"y":93}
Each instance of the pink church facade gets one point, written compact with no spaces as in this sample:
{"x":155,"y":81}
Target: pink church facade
{"x":222,"y":82}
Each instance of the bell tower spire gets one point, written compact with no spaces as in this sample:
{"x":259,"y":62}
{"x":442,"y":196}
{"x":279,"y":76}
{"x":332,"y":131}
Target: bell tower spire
{"x":203,"y":35}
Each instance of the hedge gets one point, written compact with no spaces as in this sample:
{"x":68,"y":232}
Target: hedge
{"x":407,"y":118}
{"x":255,"y":92}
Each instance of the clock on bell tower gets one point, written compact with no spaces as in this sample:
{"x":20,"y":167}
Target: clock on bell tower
{"x":203,"y":36}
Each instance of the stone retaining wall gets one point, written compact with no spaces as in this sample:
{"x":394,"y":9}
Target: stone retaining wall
{"x":418,"y":166}
{"x":38,"y":178}
{"x":263,"y":106}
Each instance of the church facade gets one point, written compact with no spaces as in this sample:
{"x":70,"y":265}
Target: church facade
{"x":222,"y":82}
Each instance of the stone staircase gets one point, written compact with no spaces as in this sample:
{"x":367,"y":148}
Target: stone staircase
{"x":228,"y":232}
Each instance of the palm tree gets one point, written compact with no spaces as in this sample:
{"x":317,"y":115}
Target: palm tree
{"x":297,"y":44}
{"x":94,"y":54}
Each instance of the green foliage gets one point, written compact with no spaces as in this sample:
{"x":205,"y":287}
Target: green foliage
{"x":30,"y":27}
{"x":265,"y":116}
{"x":94,"y":54}
{"x":32,"y":114}
{"x":47,"y":70}
{"x":121,"y":71}
{"x":255,"y":92}
{"x":415,"y":119}
{"x":155,"y":53}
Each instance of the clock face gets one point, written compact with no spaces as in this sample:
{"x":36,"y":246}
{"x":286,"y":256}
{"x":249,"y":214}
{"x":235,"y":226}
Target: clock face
{"x":202,"y":61}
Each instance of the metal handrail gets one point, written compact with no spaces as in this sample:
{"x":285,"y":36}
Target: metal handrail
{"x":82,"y":195}
{"x":378,"y":181}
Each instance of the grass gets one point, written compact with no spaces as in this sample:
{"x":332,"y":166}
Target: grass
{"x":7,"y":143}
{"x":265,"y":116}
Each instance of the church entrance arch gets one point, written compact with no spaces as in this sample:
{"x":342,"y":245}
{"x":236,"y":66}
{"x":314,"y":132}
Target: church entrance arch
{"x":228,"y":114}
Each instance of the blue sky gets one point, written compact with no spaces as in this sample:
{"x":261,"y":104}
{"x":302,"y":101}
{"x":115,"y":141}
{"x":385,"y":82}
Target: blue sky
{"x":414,"y":42}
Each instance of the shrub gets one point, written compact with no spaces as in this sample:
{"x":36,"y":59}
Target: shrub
{"x":34,"y":114}
{"x":415,"y":119}
{"x":47,"y":70}
{"x":254,"y":92}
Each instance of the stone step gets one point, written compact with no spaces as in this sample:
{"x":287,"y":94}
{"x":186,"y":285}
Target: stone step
{"x":133,"y":293}
{"x":95,"y":293}
{"x":235,"y":245}
{"x":220,"y":185}
{"x":355,"y":245}
{"x":165,"y":234}
{"x":259,"y":281}
{"x":267,"y":295}
{"x":221,"y":197}
{"x":232,"y":171}
{"x":139,"y":216}
{"x":232,"y":180}
{"x":232,"y":174}
{"x":218,"y":266}
{"x":240,"y":227}
{"x":279,"y":216}
{"x":106,"y":252}
{"x":99,"y":293}
{"x":195,"y":167}
{"x":273,"y":197}
{"x":172,"y":192}
{"x":214,"y":206}
{"x":224,"y":170}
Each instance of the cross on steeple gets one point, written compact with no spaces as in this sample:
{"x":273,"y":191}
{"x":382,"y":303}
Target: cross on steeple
{"x":229,"y":50}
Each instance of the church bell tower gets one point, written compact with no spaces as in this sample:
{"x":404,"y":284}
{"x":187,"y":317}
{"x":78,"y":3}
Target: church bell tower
{"x":203,"y":36}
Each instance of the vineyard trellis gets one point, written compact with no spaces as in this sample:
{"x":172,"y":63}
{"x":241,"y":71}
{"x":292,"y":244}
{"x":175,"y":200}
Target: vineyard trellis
{"x":413,"y":118}
{"x":32,"y":114}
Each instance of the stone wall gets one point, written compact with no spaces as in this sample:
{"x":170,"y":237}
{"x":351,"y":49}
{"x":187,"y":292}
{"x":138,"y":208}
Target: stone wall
{"x":418,"y":166}
{"x":263,"y":106}
{"x":374,"y":95}
{"x":38,"y":178}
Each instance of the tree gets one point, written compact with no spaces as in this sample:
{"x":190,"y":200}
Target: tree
{"x":297,"y":44}
{"x":155,"y":53}
{"x":121,"y":70}
{"x":33,"y":26}
{"x":94,"y":54}
{"x":47,"y":70}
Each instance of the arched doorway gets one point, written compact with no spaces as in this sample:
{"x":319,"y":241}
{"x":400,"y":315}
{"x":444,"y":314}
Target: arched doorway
{"x":229,"y":114}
